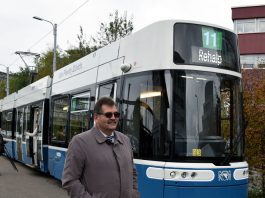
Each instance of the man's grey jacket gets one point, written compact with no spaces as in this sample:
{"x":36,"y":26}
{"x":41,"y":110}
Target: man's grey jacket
{"x":95,"y":169}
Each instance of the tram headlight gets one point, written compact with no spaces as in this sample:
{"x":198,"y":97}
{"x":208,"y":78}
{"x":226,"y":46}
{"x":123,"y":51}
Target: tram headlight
{"x":193,"y":174}
{"x":173,"y":174}
{"x":184,"y":174}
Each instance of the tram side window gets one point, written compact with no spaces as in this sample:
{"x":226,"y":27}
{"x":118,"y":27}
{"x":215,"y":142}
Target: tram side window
{"x":38,"y":116}
{"x":79,"y":117}
{"x":19,"y":121}
{"x":60,"y":117}
{"x":7,"y":124}
{"x":107,"y":90}
{"x":23,"y":121}
{"x":145,"y":121}
{"x":27,"y":119}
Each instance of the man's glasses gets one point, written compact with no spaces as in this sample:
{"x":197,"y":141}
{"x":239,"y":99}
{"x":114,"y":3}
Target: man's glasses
{"x":110,"y":114}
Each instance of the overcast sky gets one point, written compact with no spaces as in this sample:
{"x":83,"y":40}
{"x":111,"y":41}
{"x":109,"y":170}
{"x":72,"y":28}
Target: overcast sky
{"x":20,"y":32}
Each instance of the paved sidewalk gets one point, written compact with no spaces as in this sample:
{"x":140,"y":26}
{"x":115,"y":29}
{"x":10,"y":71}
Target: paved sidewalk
{"x":27,"y":182}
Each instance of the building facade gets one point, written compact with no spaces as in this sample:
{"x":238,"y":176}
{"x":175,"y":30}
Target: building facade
{"x":249,"y":24}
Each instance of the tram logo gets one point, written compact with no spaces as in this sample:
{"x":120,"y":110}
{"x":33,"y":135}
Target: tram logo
{"x":224,"y":175}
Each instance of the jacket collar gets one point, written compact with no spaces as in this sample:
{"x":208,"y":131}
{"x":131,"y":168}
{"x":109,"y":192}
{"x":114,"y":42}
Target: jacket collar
{"x":101,"y":139}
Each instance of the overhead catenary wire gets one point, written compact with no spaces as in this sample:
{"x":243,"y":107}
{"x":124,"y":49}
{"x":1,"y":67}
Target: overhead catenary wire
{"x":51,"y":31}
{"x":60,"y":23}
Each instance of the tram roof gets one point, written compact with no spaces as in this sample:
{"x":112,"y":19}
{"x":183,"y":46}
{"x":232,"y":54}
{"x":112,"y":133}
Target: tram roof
{"x":150,"y":48}
{"x":36,"y":91}
{"x":9,"y":101}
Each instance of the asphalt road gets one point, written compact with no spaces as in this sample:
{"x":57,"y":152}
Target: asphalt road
{"x":27,"y":182}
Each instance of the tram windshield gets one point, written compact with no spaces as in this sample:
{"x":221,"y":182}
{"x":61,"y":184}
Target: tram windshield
{"x":182,"y":115}
{"x":206,"y":114}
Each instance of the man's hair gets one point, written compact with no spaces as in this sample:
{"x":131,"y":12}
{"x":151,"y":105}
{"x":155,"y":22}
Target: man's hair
{"x":103,"y":101}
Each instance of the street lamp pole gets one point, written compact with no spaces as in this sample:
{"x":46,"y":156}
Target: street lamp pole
{"x":54,"y":26}
{"x":7,"y":79}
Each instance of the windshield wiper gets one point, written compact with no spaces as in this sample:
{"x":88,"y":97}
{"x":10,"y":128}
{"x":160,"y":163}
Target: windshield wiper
{"x":229,"y":155}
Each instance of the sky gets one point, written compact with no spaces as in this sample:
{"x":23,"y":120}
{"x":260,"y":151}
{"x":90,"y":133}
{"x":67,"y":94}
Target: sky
{"x":20,"y":32}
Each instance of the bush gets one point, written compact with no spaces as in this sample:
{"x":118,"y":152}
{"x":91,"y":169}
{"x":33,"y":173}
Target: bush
{"x":255,"y":193}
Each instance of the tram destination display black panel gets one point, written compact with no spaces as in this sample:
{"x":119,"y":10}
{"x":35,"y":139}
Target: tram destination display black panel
{"x":205,"y":46}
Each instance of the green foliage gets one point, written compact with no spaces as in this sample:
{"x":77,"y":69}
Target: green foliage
{"x":2,"y":89}
{"x":45,"y":64}
{"x":254,"y":108}
{"x":20,"y":79}
{"x":255,"y":193}
{"x":17,"y":81}
{"x":63,"y":59}
{"x":76,"y":53}
{"x":117,"y":28}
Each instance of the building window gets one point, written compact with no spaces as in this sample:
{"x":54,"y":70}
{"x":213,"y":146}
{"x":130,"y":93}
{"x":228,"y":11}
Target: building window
{"x":252,"y":61}
{"x":245,"y":26}
{"x":261,"y":25}
{"x":249,"y":25}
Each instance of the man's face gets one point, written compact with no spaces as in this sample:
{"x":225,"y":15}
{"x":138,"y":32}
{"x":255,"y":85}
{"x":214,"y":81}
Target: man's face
{"x":104,"y":122}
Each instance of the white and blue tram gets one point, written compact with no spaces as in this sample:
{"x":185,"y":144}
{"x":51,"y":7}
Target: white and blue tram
{"x":178,"y":88}
{"x":24,"y":123}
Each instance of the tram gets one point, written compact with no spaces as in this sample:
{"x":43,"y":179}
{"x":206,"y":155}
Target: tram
{"x":178,"y":88}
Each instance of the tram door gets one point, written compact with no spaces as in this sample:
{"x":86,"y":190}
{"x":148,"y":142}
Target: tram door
{"x":19,"y":132}
{"x":34,"y":145}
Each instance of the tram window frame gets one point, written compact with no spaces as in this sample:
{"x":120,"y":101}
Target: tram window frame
{"x":20,"y":121}
{"x":30,"y":123}
{"x":151,"y":141}
{"x":4,"y":124}
{"x":24,"y":122}
{"x":60,"y":142}
{"x":112,"y":93}
{"x":89,"y":118}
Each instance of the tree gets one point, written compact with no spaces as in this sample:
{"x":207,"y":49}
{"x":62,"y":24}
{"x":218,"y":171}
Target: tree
{"x":20,"y":79}
{"x":64,"y":58}
{"x":82,"y":50}
{"x":254,"y":111}
{"x":117,"y":28}
{"x":2,"y":89}
{"x":45,"y":64}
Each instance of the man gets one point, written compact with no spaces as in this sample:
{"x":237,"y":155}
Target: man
{"x":99,"y":162}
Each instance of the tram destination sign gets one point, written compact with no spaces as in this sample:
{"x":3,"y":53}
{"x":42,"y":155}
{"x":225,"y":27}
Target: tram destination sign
{"x":204,"y":55}
{"x":211,"y":38}
{"x":204,"y":45}
{"x":210,"y":51}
